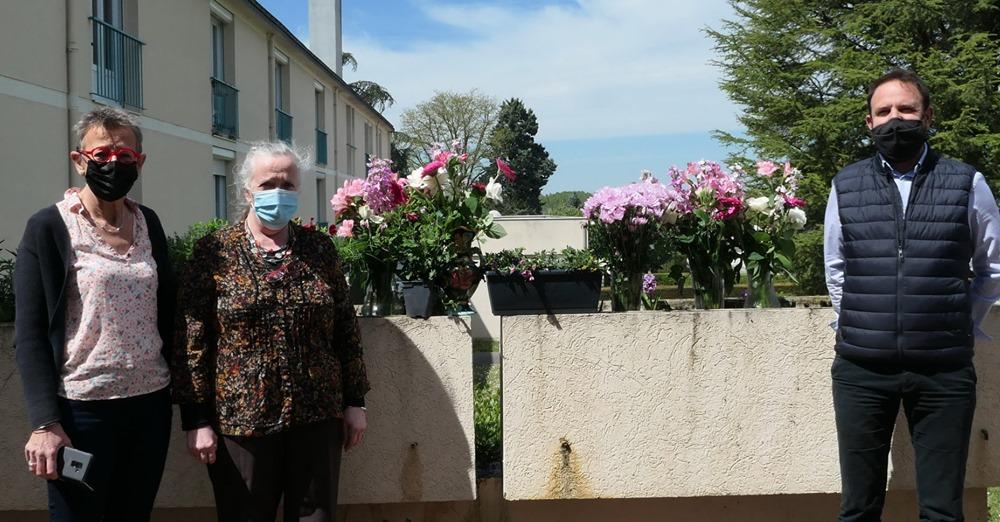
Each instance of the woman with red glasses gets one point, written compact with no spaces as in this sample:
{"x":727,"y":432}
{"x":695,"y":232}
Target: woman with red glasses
{"x":95,"y":302}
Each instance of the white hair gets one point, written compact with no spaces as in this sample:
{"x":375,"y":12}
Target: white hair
{"x":269,"y":149}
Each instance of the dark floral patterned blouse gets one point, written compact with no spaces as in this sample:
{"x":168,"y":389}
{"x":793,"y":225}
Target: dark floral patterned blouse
{"x":264,"y":347}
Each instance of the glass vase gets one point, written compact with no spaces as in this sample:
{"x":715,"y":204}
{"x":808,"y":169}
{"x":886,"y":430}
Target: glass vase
{"x":709,"y":283}
{"x":760,"y":291}
{"x":626,"y":292}
{"x":378,"y":289}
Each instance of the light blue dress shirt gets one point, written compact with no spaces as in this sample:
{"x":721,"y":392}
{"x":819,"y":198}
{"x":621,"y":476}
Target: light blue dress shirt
{"x":984,"y":222}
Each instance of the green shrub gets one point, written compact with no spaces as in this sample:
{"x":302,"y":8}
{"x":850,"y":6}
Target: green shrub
{"x":486,"y":404}
{"x":181,"y":246}
{"x":6,"y":285}
{"x":809,"y":268}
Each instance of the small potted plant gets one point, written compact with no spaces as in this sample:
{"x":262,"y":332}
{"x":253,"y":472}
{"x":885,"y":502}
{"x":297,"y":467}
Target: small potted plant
{"x":547,"y":282}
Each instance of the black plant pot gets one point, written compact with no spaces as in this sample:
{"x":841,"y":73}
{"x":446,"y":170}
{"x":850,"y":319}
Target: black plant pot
{"x":552,"y":292}
{"x":420,"y":299}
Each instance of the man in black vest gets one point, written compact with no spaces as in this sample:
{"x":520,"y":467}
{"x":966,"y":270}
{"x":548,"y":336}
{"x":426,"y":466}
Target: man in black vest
{"x":902,"y":230}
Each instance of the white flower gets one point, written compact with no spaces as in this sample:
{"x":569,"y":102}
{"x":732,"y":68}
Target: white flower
{"x":416,"y":178}
{"x":494,"y":190}
{"x":797,"y":217}
{"x":669,"y":217}
{"x":759,"y":204}
{"x":495,"y":214}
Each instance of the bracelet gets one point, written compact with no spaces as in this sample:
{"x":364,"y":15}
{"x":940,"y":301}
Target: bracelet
{"x":41,"y":427}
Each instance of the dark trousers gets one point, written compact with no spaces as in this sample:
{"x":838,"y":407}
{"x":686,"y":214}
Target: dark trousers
{"x":297,"y":469}
{"x":938,"y":403}
{"x":128,"y":438}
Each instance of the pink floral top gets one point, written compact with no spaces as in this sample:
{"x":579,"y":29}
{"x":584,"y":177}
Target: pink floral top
{"x":112,"y":342}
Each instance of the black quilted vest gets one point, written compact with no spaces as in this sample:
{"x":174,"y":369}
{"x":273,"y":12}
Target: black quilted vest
{"x":906,"y":281}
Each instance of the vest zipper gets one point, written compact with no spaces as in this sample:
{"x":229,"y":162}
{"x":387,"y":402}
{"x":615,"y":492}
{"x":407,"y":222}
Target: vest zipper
{"x":902,"y":215}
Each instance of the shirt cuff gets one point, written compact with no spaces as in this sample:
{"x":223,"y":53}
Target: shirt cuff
{"x":197,"y":415}
{"x":354,"y":402}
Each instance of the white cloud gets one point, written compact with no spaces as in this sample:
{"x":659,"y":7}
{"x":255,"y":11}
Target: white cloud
{"x":602,"y":68}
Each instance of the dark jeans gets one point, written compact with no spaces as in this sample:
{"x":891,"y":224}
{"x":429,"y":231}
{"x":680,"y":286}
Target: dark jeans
{"x":939,"y":404}
{"x":298,"y":469}
{"x":128,"y":438}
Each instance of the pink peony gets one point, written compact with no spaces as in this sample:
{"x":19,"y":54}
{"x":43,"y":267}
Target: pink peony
{"x":344,"y":198}
{"x":431,"y":169}
{"x":766,"y":168}
{"x":346,"y":228}
{"x":507,"y":171}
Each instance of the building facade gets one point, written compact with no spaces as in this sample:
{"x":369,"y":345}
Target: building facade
{"x":204,"y":77}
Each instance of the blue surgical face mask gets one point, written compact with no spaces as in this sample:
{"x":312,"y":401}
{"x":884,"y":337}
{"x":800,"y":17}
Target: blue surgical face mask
{"x":275,"y":207}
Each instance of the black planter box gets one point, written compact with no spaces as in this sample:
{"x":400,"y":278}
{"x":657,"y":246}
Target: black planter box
{"x":552,"y":292}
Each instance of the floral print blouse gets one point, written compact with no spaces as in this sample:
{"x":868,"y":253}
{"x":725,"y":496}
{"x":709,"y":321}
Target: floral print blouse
{"x":262,"y":347}
{"x":113,"y":345}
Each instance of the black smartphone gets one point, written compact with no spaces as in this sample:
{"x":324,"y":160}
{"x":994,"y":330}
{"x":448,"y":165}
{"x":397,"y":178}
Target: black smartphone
{"x":74,"y":465}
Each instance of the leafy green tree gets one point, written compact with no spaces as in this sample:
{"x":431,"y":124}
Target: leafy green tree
{"x":448,"y":116}
{"x":800,"y":71}
{"x":568,"y":203}
{"x":513,"y":139}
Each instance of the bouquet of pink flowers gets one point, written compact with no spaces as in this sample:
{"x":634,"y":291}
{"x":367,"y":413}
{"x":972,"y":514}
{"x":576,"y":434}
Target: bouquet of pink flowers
{"x":712,"y":203}
{"x":629,"y":230}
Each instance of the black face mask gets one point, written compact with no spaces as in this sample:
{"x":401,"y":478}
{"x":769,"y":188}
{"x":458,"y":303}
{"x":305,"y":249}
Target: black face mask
{"x":900,"y":140}
{"x":112,"y":180}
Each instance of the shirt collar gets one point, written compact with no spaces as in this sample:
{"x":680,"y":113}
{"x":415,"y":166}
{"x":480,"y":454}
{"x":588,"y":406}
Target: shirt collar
{"x":905,"y":175}
{"x":72,"y":198}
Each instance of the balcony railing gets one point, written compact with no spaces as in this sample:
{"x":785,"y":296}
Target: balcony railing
{"x":282,"y":125}
{"x":117,"y":65}
{"x":320,"y":147}
{"x":225,"y":110}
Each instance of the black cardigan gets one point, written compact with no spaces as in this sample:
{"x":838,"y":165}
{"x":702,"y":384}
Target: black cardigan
{"x":40,"y":277}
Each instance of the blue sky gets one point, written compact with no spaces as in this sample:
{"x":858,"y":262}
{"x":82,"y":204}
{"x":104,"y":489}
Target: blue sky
{"x":618,"y":85}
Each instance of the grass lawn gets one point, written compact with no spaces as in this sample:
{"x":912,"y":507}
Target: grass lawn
{"x":486,"y":412}
{"x":993,"y":501}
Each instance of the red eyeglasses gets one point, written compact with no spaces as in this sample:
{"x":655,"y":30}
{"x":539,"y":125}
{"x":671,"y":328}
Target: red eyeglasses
{"x":123,"y":155}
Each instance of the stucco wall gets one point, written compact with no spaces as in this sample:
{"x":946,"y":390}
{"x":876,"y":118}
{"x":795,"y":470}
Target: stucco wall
{"x":419,"y":445}
{"x":690,"y":404}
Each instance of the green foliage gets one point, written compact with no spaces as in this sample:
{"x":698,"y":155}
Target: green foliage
{"x":515,"y":260}
{"x":513,"y":139}
{"x":486,"y":400}
{"x":800,"y":70}
{"x":447,"y":116}
{"x":423,"y":251}
{"x":6,"y":285}
{"x":568,"y":203}
{"x":373,"y":94}
{"x":993,"y":503}
{"x":180,"y":247}
{"x":808,"y":267}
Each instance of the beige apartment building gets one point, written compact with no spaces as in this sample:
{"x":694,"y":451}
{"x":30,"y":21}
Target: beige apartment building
{"x":204,"y":77}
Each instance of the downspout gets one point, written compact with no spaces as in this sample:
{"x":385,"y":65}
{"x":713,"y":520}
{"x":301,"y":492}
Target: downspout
{"x":271,"y":123}
{"x":70,"y":54}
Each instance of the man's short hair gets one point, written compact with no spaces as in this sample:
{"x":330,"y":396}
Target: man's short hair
{"x":905,"y":76}
{"x":108,"y":118}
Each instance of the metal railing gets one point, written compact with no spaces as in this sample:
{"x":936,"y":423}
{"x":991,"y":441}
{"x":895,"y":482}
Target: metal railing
{"x":117,"y":64}
{"x":320,"y":147}
{"x":282,"y":125}
{"x":225,"y":110}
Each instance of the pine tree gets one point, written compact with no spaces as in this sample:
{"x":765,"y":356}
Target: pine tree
{"x":513,"y":139}
{"x":800,"y":71}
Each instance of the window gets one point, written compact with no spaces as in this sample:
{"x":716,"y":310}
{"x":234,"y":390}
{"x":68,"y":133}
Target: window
{"x":352,"y":151}
{"x":220,"y":179}
{"x":117,"y":56}
{"x":225,"y":97}
{"x":368,"y":139}
{"x":282,"y":120}
{"x":378,"y":143}
{"x":336,"y":146}
{"x":320,"y":125}
{"x":321,"y":201}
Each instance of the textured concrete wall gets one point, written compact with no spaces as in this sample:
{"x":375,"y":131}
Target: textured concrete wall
{"x":419,"y":445}
{"x":690,"y":404}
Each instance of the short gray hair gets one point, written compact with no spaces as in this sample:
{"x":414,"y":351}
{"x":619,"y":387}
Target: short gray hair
{"x":269,"y":149}
{"x":108,"y":118}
